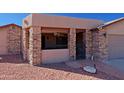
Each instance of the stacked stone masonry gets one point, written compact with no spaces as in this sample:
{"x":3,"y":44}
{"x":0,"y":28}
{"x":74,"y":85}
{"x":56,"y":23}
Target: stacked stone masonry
{"x":35,"y":46}
{"x":88,"y":44}
{"x":103,"y":52}
{"x":25,"y":43}
{"x":99,"y":48}
{"x":14,"y":40}
{"x":72,"y":44}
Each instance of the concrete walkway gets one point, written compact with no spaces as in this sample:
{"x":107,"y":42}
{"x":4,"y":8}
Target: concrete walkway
{"x":114,"y":68}
{"x":117,"y":63}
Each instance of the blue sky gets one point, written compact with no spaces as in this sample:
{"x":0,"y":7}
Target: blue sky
{"x":7,"y":18}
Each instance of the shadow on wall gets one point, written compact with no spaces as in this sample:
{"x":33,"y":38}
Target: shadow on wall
{"x":14,"y":59}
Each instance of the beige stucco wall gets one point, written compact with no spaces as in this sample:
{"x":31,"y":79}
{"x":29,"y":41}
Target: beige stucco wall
{"x":3,"y":41}
{"x":117,"y":28}
{"x":45,"y":20}
{"x":51,"y":30}
{"x":115,"y":46}
{"x":55,"y":55}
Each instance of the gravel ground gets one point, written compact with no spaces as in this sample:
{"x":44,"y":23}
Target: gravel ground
{"x":13,"y":68}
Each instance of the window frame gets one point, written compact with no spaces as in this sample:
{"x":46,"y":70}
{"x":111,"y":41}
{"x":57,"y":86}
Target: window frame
{"x":57,"y":45}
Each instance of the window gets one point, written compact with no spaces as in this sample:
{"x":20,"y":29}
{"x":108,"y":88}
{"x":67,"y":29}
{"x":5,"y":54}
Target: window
{"x":62,"y":41}
{"x":54,"y":41}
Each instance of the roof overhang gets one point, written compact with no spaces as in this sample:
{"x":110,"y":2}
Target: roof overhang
{"x":110,"y":23}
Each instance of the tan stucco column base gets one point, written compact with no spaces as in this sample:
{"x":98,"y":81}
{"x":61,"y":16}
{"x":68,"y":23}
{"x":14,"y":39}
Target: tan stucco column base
{"x":72,"y":44}
{"x":35,"y":45}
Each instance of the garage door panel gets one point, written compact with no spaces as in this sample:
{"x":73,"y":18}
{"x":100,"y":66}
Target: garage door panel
{"x":116,"y":46}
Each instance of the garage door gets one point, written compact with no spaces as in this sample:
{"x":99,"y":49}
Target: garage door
{"x":3,"y":42}
{"x":116,"y":46}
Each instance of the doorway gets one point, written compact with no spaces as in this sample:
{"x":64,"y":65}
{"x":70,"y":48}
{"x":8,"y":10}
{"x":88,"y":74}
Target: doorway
{"x":80,"y":45}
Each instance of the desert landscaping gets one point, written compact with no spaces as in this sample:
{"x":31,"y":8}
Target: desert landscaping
{"x":12,"y":67}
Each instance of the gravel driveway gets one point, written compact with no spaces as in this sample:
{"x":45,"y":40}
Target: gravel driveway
{"x":13,"y":68}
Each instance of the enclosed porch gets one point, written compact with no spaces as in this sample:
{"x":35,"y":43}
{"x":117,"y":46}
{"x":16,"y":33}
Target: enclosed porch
{"x":54,"y":45}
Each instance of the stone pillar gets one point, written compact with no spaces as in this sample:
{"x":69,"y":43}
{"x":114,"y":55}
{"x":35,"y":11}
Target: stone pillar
{"x":14,"y":40}
{"x":72,"y":43}
{"x":100,"y":46}
{"x":95,"y":48}
{"x":24,"y":48}
{"x":88,"y":37}
{"x":35,"y":45}
{"x":103,"y":52}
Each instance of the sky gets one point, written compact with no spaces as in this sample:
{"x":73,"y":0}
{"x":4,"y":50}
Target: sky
{"x":7,"y":18}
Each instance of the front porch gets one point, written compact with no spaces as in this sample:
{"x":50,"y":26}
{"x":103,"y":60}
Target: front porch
{"x":54,"y":45}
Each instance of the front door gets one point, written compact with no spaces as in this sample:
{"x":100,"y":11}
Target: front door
{"x":80,"y":45}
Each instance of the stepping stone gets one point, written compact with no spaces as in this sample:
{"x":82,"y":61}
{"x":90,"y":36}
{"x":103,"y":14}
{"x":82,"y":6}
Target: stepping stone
{"x":1,"y":58}
{"x":90,"y":69}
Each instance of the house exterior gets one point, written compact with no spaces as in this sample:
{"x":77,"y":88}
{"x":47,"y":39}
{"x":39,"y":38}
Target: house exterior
{"x":49,"y":39}
{"x":52,"y":39}
{"x":114,"y":38}
{"x":10,"y":39}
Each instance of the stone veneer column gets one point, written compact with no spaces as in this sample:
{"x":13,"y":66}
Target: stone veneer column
{"x":72,"y":43}
{"x":14,"y":40}
{"x":88,"y":37}
{"x":103,"y":52}
{"x":95,"y":42}
{"x":24,"y":48}
{"x":100,"y":46}
{"x":35,"y":45}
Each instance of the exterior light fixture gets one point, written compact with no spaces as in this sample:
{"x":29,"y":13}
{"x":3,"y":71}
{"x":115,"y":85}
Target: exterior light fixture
{"x":104,"y":34}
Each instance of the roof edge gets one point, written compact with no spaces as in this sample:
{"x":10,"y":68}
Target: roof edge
{"x":75,"y":18}
{"x":12,"y":24}
{"x":110,"y":23}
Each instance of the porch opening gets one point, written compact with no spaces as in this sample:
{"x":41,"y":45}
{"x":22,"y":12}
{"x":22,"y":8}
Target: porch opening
{"x":80,"y":44}
{"x":54,"y":45}
{"x":54,"y":40}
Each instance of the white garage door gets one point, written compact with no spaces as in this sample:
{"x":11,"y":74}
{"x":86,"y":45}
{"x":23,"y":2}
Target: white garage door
{"x":116,"y":46}
{"x":3,"y":42}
